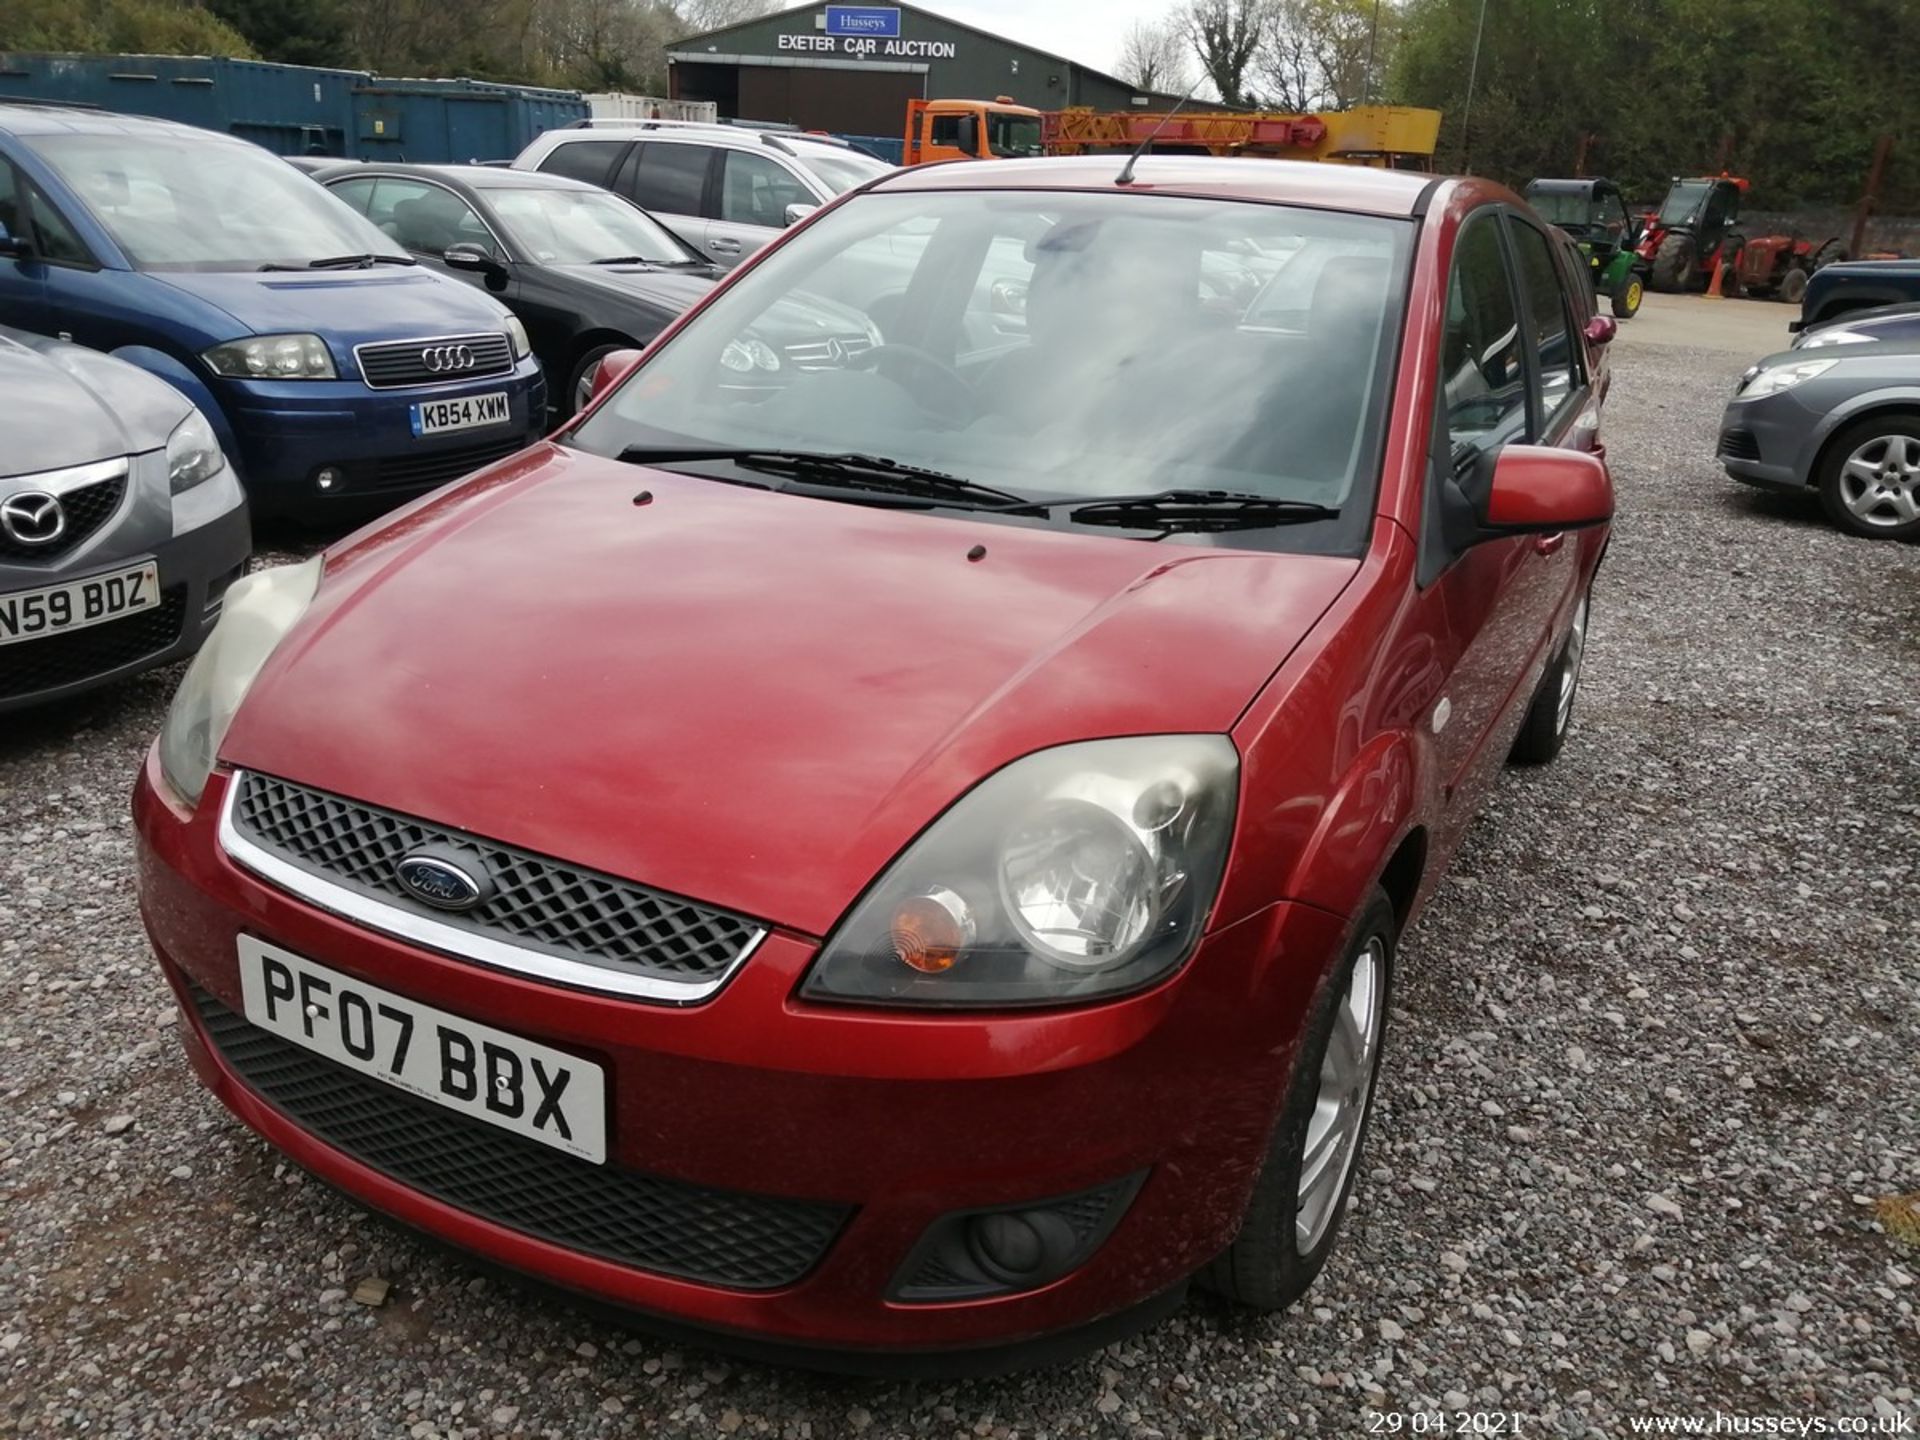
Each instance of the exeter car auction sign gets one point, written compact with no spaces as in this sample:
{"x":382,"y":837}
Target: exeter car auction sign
{"x":867,"y":32}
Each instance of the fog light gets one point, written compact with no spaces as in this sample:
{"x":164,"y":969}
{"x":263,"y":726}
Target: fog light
{"x":327,"y":477}
{"x":974,"y":1253}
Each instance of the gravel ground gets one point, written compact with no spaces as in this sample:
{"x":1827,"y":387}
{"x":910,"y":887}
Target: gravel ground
{"x":1654,"y":1064}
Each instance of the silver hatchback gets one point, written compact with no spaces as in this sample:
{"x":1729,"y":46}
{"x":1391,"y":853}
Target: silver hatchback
{"x":121,"y":521}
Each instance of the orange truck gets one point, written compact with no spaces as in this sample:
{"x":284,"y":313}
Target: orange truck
{"x":1395,"y":137}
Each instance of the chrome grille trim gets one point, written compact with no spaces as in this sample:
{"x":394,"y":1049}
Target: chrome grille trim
{"x":451,"y":940}
{"x":397,"y":364}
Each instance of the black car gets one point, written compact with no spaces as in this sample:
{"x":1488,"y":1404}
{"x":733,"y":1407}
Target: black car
{"x":586,"y":271}
{"x":1850,"y":285}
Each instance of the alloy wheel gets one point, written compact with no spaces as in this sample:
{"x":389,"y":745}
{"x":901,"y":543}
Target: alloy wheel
{"x":1340,"y":1109}
{"x":1880,"y":483}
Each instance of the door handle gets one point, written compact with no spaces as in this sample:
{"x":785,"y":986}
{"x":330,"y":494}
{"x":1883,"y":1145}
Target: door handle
{"x":1549,"y":544}
{"x":724,"y":246}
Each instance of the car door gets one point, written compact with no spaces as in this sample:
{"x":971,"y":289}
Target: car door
{"x":34,"y":281}
{"x":671,"y":180}
{"x":1491,"y":602}
{"x":751,"y":203}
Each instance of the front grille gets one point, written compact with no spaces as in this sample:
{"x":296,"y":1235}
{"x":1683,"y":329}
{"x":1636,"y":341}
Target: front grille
{"x":827,"y":354}
{"x":536,"y":904}
{"x":31,"y":666}
{"x":719,"y":1237}
{"x":1739,"y":445}
{"x":438,"y":361}
{"x":421,"y":472}
{"x":88,"y":507}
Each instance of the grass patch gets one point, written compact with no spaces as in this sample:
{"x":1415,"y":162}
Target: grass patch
{"x":1901,"y":1216}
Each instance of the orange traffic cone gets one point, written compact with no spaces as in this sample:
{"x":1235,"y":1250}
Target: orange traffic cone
{"x":1713,"y":286}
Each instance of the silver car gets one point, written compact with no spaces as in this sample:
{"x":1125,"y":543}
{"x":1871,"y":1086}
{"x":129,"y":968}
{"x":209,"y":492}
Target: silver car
{"x":1839,"y":420}
{"x":121,"y":522}
{"x":723,"y":189}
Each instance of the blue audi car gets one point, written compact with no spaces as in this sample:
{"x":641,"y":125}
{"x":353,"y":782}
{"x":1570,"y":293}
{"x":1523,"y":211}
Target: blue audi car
{"x":337,"y":372}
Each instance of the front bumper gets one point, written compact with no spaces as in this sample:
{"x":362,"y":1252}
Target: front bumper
{"x":196,"y":566}
{"x":289,"y":431}
{"x":897,"y":1119}
{"x":1766,"y":442}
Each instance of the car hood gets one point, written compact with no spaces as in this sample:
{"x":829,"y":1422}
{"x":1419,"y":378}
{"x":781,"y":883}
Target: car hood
{"x":70,"y":406}
{"x":350,"y":306}
{"x":670,"y":290}
{"x":751,"y":699}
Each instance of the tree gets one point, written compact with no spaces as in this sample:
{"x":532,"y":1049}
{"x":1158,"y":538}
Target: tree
{"x":1326,"y":54}
{"x":1154,"y":57}
{"x":701,"y":15}
{"x":294,"y":32}
{"x":1225,"y":36}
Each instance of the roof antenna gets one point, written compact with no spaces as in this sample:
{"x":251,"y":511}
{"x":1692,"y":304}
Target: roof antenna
{"x":1125,"y":177}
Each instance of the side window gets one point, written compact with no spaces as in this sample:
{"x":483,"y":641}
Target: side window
{"x":1548,"y":330}
{"x":945,"y":130}
{"x":1482,"y":368}
{"x":425,"y":218}
{"x":53,"y":237}
{"x":10,"y":208}
{"x":672,"y":178}
{"x":587,"y":160}
{"x":755,"y":190}
{"x":357,"y":193}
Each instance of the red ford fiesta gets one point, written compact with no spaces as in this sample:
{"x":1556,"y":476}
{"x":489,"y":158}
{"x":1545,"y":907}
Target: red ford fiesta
{"x":892,"y":841}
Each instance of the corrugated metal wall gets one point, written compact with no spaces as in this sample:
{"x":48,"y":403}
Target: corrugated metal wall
{"x":295,"y":109}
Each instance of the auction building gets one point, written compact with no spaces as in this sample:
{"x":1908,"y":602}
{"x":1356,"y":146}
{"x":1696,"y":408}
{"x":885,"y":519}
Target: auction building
{"x":851,"y":69}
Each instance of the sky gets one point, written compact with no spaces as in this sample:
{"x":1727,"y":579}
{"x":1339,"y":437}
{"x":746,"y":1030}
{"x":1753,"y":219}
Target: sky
{"x":1085,"y":30}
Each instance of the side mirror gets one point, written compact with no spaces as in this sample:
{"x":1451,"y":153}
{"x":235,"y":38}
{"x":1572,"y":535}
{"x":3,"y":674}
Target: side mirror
{"x":796,"y":213}
{"x":466,"y":255}
{"x":17,"y":246}
{"x":968,"y":137}
{"x":1542,"y":489}
{"x":1601,"y":329}
{"x":614,"y":367}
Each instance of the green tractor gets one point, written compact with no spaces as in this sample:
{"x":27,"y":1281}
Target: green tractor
{"x":1594,"y":213}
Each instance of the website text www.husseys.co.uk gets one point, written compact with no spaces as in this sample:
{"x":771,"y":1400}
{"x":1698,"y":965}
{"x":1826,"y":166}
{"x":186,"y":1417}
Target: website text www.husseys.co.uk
{"x":1721,"y":1422}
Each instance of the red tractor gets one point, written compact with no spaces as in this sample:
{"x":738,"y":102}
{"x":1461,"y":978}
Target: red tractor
{"x":1691,"y":234}
{"x":1779,"y":265}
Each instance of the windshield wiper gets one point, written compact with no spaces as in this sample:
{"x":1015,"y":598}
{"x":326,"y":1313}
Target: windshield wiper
{"x":843,"y":471}
{"x":1195,"y":510}
{"x":346,"y":262}
{"x":622,"y":260}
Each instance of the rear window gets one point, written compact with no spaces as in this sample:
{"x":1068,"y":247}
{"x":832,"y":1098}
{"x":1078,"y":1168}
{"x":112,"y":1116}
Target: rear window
{"x":587,"y":160}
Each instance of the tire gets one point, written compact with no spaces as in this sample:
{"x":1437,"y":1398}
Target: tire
{"x":580,"y":382}
{"x":1793,"y":286}
{"x":1550,"y":715}
{"x":1626,"y":297}
{"x":1674,"y":264}
{"x":1271,"y":1263}
{"x":1869,"y":478}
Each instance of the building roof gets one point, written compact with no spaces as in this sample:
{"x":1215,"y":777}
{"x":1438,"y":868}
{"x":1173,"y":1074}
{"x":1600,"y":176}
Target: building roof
{"x":1298,"y":182}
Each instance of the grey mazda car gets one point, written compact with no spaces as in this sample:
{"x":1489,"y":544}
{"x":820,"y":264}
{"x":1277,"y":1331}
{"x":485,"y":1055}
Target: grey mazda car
{"x":121,"y":521}
{"x":1841,"y":420}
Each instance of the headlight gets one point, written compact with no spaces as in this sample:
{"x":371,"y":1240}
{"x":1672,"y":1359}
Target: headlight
{"x":1072,"y":874}
{"x":1821,"y":338}
{"x":747,"y":355}
{"x":517,"y":337}
{"x":1772,"y":379}
{"x":193,"y":454}
{"x":258,"y":612}
{"x":272,"y":357}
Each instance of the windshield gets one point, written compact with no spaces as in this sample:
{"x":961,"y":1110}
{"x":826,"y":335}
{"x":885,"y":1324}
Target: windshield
{"x":1048,"y":344}
{"x":202,"y":204}
{"x":1013,"y":136}
{"x":578,"y":227}
{"x":1683,"y":202}
{"x":842,"y":170}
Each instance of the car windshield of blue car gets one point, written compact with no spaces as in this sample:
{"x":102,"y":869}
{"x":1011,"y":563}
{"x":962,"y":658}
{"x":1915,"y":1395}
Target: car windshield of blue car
{"x":580,"y":227}
{"x":191,"y":204}
{"x":1052,"y":344}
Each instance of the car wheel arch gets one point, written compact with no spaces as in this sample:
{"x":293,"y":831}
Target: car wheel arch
{"x":1369,"y":833}
{"x":1903,"y":403}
